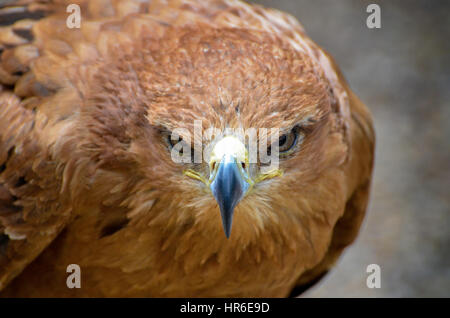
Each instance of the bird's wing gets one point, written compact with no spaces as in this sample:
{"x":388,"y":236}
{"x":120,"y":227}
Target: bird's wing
{"x":358,"y":170}
{"x":32,"y":211}
{"x":39,"y":107}
{"x":36,"y":162}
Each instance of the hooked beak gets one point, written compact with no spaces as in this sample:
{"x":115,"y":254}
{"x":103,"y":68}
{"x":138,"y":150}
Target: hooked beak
{"x":229,"y":187}
{"x":229,"y":179}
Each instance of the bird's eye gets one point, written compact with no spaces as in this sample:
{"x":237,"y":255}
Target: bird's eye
{"x":288,"y":141}
{"x":283,"y":141}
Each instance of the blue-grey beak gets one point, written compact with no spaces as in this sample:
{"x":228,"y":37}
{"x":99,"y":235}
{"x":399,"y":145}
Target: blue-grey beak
{"x":229,"y":187}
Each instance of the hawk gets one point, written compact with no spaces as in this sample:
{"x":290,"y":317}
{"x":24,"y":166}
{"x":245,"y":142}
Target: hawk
{"x":90,"y":120}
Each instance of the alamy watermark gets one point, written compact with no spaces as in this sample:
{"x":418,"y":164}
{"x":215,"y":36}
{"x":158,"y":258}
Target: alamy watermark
{"x":73,"y":21}
{"x":374,"y":278}
{"x":374,"y":19}
{"x":74,"y":279}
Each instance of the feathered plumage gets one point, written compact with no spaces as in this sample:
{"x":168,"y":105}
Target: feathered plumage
{"x":86,"y":175}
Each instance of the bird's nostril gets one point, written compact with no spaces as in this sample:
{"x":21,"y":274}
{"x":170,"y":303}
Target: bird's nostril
{"x":213,"y":166}
{"x":243,"y":165}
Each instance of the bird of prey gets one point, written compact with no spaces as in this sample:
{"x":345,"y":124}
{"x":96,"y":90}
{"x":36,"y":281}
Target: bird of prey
{"x":91,"y":116}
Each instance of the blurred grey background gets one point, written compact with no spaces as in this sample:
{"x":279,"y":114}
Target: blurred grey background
{"x":402,"y":72}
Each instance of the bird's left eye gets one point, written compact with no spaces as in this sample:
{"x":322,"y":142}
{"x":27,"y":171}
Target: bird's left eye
{"x":287,"y":141}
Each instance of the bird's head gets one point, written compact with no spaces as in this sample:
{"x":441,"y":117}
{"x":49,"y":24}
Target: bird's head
{"x":207,"y":120}
{"x":231,"y":174}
